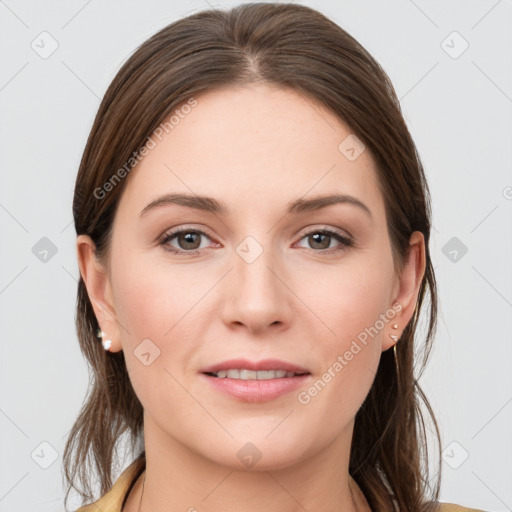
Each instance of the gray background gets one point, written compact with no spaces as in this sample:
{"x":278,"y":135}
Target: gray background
{"x":458,"y":108}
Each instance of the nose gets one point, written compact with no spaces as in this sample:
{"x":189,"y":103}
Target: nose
{"x":257,"y":295}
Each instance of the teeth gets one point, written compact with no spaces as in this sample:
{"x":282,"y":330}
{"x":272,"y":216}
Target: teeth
{"x":243,"y":374}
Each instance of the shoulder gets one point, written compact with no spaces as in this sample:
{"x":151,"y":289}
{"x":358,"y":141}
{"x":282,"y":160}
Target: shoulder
{"x":112,"y":501}
{"x":452,"y":507}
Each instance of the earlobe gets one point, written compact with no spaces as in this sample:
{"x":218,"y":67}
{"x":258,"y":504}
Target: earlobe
{"x":98,"y":286}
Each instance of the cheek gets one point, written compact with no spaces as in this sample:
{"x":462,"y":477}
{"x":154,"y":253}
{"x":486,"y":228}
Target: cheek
{"x":350,"y":303}
{"x":154,"y":299}
{"x":349,"y":352}
{"x":153,"y":309}
{"x":347,"y":299}
{"x":160,"y":323}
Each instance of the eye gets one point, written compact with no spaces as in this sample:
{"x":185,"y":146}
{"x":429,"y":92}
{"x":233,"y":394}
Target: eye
{"x":188,"y":240}
{"x":321,"y":239}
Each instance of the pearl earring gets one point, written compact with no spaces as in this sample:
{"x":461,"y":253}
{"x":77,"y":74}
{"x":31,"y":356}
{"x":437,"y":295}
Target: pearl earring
{"x":106,"y":343}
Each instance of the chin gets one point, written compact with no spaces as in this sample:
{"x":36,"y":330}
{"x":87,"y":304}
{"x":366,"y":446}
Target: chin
{"x":252,"y":451}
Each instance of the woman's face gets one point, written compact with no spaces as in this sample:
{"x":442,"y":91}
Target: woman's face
{"x":257,"y":279}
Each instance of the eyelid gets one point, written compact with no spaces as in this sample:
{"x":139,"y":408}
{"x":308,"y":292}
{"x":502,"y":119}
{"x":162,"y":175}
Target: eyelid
{"x":323,"y":227}
{"x":184,"y":227}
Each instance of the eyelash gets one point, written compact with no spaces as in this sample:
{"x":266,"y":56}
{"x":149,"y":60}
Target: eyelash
{"x":345,"y":241}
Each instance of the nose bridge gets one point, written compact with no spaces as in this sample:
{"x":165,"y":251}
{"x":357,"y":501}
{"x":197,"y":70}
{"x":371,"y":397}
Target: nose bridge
{"x":251,"y":267}
{"x":258,"y":297}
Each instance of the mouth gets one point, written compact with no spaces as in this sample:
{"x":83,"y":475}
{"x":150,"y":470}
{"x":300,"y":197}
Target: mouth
{"x":246,"y":374}
{"x":251,"y":381}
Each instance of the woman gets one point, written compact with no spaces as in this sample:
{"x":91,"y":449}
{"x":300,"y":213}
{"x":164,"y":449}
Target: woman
{"x":253,"y":229}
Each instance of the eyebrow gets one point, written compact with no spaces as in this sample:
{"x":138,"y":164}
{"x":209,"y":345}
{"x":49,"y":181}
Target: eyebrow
{"x":211,"y":205}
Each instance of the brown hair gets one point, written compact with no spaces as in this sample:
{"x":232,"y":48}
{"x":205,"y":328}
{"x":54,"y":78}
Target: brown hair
{"x":297,"y":47}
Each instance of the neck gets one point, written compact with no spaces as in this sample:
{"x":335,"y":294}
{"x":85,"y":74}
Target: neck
{"x":183,"y":480}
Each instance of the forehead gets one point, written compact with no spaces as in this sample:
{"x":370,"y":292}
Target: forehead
{"x":254,"y":146}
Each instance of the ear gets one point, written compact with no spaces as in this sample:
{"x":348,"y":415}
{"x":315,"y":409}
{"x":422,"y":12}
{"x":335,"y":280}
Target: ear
{"x":406,"y":290}
{"x":97,"y":282}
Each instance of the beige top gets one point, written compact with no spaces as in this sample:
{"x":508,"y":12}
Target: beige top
{"x":113,"y":500}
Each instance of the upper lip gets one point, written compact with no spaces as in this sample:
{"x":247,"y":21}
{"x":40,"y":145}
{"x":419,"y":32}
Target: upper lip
{"x":264,"y":364}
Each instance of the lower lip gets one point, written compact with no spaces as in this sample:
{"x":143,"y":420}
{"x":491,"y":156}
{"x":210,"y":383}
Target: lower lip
{"x":257,"y":390}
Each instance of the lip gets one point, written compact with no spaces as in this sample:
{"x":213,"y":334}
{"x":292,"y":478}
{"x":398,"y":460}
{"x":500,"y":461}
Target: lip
{"x":254,"y":390}
{"x":265,"y":364}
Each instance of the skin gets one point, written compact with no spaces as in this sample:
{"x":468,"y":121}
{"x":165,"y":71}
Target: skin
{"x":294,"y":302}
